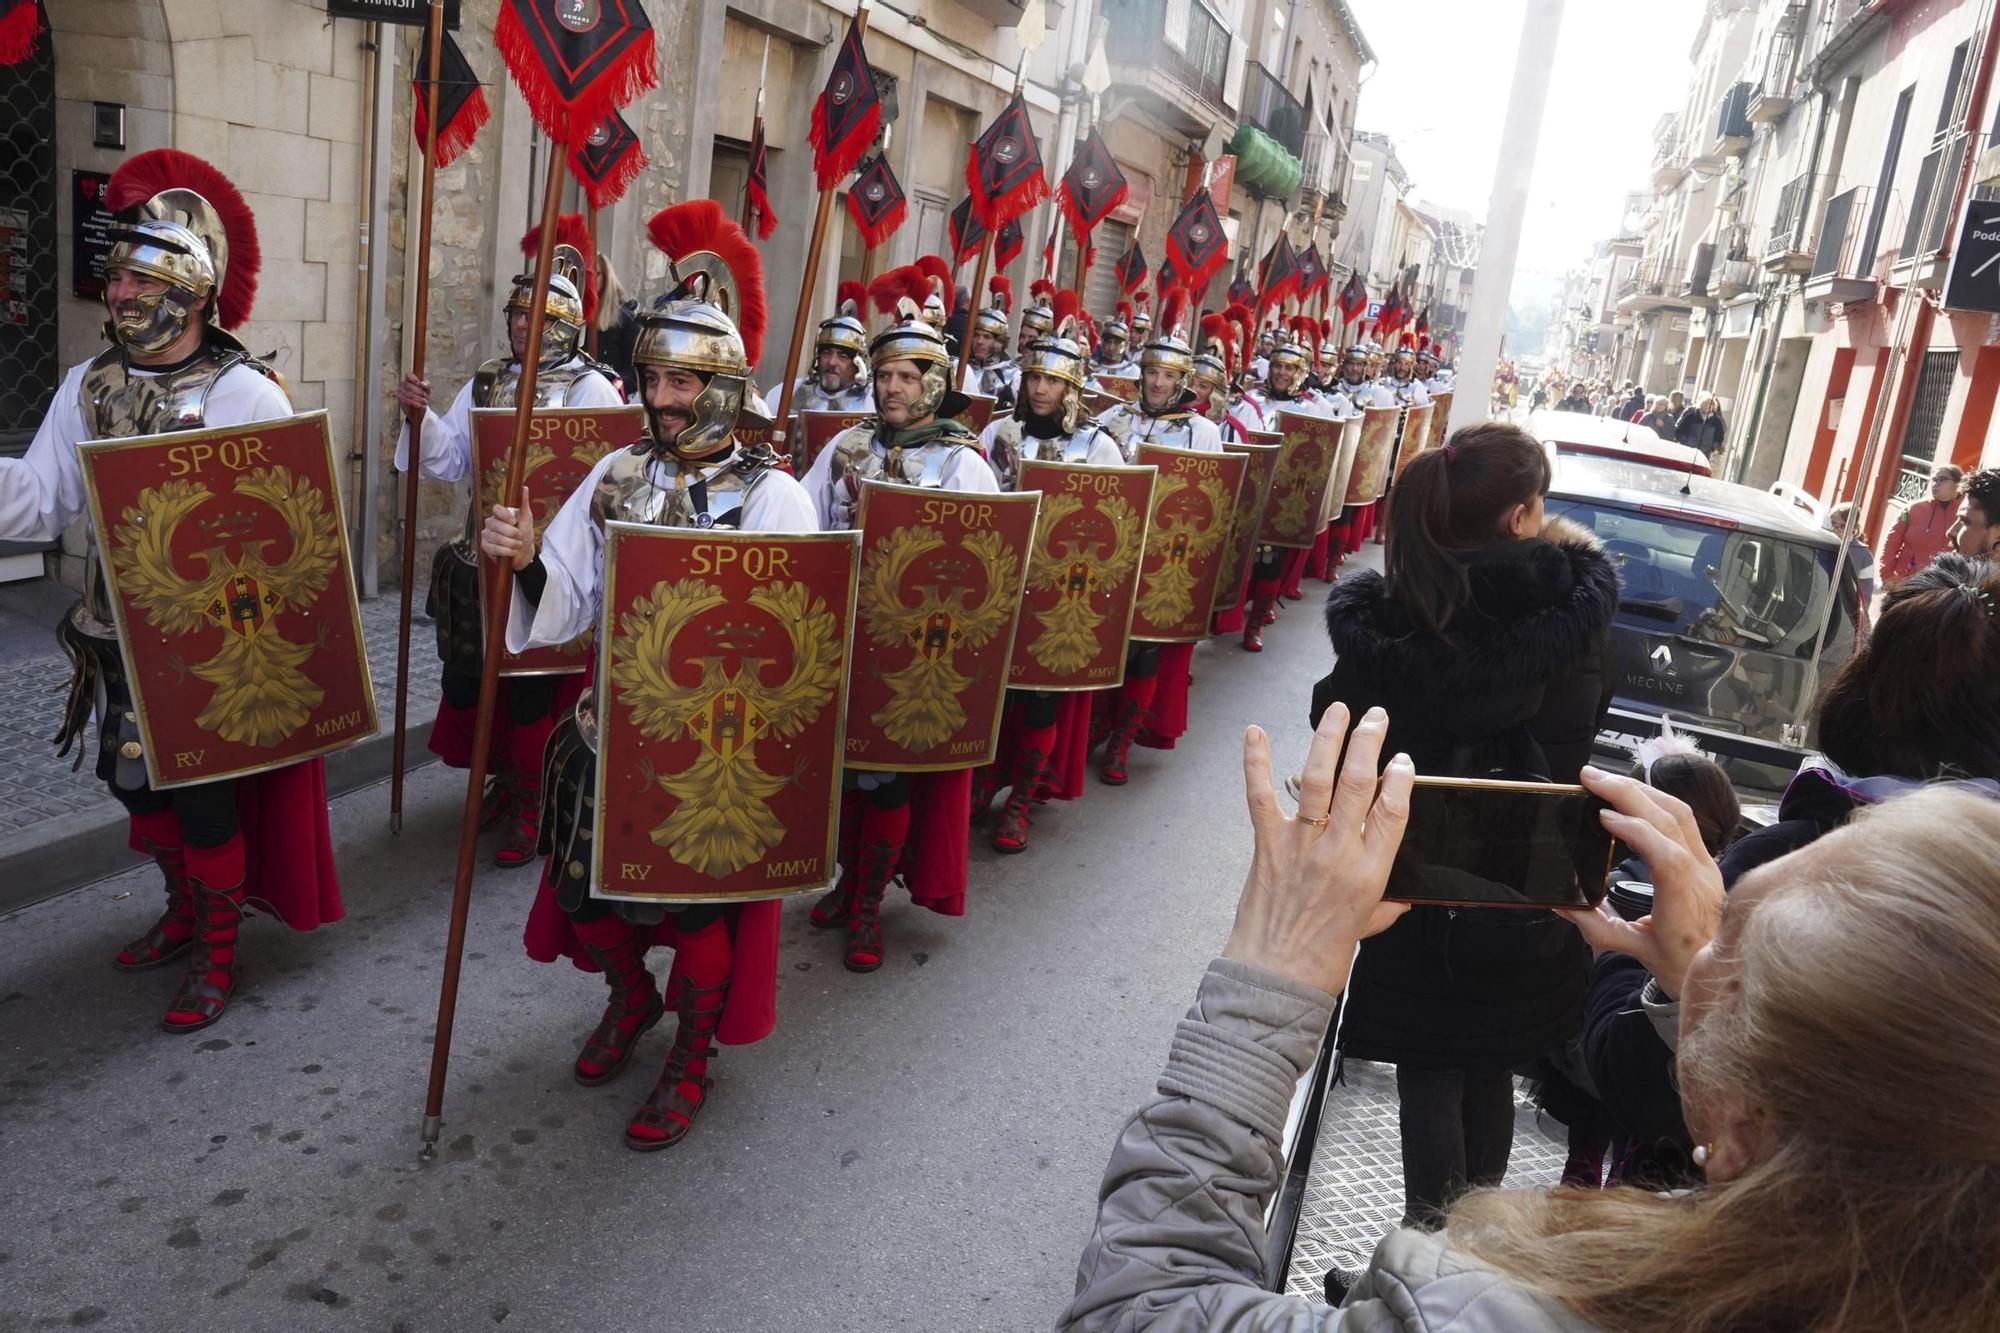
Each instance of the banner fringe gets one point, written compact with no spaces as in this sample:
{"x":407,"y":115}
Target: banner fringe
{"x":571,"y":122}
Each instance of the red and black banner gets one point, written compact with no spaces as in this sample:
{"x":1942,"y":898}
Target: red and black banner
{"x":1278,"y":276}
{"x":762,"y":217}
{"x":966,"y":233}
{"x":1131,"y":271}
{"x":1312,"y":272}
{"x":607,"y":163}
{"x":20,"y":25}
{"x":847,"y":115}
{"x":1423,"y":329}
{"x":876,"y":202}
{"x":1196,"y":244}
{"x":1007,"y":243}
{"x":1394,"y":312}
{"x":1353,"y":299}
{"x":1168,"y":276}
{"x":1004,"y":169}
{"x":576,"y":61}
{"x":1092,"y":187}
{"x":1241,"y":290}
{"x":462,"y":109}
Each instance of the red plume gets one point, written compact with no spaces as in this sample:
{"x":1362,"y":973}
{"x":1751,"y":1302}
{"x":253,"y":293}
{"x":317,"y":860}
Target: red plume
{"x":1173,"y":310}
{"x":1142,"y":300}
{"x":573,"y":231}
{"x":1066,"y":306}
{"x":1303,"y":327}
{"x":699,"y":224}
{"x":1219,"y":329}
{"x":1003,"y":287}
{"x":933,"y":267}
{"x":1042,"y":289}
{"x":1246,"y":324}
{"x":890,"y":287}
{"x":1125,"y":311}
{"x":852,"y":291}
{"x":140,"y":178}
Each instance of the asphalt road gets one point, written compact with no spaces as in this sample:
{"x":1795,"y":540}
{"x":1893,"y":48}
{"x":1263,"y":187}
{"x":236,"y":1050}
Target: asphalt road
{"x":917,"y":1149}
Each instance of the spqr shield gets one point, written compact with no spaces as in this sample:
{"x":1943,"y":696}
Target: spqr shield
{"x":1260,"y":457}
{"x":941,"y":577}
{"x":1373,"y":455}
{"x":722,"y":687}
{"x":1298,"y":491}
{"x":817,"y":429}
{"x":226,"y":557}
{"x":978,"y":412}
{"x":564,"y":444}
{"x":1124,"y":388}
{"x":1416,"y":434}
{"x":1343,"y":469}
{"x":1076,"y":615}
{"x":1440,"y":417}
{"x":1194,"y":501}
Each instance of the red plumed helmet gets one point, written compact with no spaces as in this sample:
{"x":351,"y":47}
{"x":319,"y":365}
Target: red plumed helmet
{"x":1240,"y":315}
{"x":1143,"y":299}
{"x":1065,"y":305}
{"x":1042,"y":289}
{"x":1173,"y":311}
{"x":573,"y":231}
{"x":1002,"y":288}
{"x":851,"y":290}
{"x":897,"y":283}
{"x":140,"y":178}
{"x":699,"y":227}
{"x":933,"y":267}
{"x":1125,"y":311}
{"x":1218,"y":329}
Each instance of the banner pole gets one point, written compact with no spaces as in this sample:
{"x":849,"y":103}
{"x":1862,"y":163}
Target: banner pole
{"x":978,"y":285}
{"x":499,"y":583}
{"x":590,"y":330}
{"x":412,"y":475}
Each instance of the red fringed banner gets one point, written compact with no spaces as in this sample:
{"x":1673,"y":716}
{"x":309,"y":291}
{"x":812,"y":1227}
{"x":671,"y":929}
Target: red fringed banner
{"x":20,"y":25}
{"x":1008,"y":243}
{"x":1196,"y":245}
{"x":847,"y":115}
{"x":759,"y":185}
{"x":1092,"y":187}
{"x":608,"y":162}
{"x":576,"y":61}
{"x":462,"y":109}
{"x":1131,"y":270}
{"x":966,"y":233}
{"x":876,"y":202}
{"x":1353,"y":299}
{"x":1004,"y":169}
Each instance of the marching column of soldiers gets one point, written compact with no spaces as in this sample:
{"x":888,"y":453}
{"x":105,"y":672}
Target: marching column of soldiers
{"x":1047,"y":526}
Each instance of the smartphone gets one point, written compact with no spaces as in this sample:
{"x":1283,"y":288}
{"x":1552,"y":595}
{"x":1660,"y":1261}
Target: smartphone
{"x":1477,"y":842}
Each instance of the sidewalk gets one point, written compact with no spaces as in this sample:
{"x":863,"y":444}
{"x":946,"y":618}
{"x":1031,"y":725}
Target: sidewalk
{"x":61,"y":829}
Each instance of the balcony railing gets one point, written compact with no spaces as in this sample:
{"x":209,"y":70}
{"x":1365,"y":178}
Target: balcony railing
{"x":1652,"y":278}
{"x":1193,"y":52}
{"x":1789,"y":235}
{"x":1773,"y":96}
{"x":1732,"y":119}
{"x":1322,"y":166}
{"x":1699,"y":270}
{"x":1844,"y":249}
{"x":1271,"y":109}
{"x":1930,"y":201}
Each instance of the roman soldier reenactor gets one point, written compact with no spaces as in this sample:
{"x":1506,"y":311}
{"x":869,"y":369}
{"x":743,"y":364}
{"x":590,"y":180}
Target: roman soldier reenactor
{"x":1402,"y":379}
{"x":182,"y":270}
{"x":1353,"y":391}
{"x":1283,"y":391}
{"x":527,"y":707}
{"x":1110,"y":356}
{"x":1164,"y":412}
{"x":1142,"y":319}
{"x":838,"y":381}
{"x":987,"y":362}
{"x":899,"y":823}
{"x":694,"y":361}
{"x":1210,"y":378}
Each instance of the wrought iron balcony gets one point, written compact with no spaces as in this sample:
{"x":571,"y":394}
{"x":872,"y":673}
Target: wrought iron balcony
{"x":1732,"y":121}
{"x":1788,"y":247}
{"x":1773,"y":96}
{"x":1172,"y":57}
{"x":1271,"y":109}
{"x":1843,"y":265}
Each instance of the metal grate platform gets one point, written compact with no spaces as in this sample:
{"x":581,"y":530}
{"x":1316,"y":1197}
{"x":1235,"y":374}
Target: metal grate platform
{"x":1354,"y":1195}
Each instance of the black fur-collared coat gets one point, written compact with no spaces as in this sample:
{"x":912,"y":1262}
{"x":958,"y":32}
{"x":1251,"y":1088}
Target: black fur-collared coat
{"x":1518,"y":688}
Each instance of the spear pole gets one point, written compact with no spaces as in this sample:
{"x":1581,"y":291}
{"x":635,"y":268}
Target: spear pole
{"x":756,"y":132}
{"x":810,"y":279}
{"x":412,"y":474}
{"x":590,"y":332}
{"x":499,"y":584}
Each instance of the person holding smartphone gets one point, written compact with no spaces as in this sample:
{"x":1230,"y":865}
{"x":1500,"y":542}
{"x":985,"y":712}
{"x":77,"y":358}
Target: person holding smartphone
{"x":1488,"y":642}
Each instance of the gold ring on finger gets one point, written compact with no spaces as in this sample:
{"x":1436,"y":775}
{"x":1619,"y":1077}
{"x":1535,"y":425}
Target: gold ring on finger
{"x":1321,"y":822}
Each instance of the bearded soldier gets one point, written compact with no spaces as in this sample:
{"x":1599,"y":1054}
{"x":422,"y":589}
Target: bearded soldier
{"x":1403,"y":382}
{"x":1165,"y":411}
{"x":691,"y":472}
{"x":1353,"y":391}
{"x":914,"y":440}
{"x":526,"y":708}
{"x":838,"y":381}
{"x":181,"y":270}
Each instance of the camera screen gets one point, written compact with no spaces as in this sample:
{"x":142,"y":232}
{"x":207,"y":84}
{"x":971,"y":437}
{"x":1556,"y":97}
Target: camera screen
{"x":1494,"y":844}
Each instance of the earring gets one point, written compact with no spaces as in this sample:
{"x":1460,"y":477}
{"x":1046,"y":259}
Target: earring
{"x":1701,"y":1154}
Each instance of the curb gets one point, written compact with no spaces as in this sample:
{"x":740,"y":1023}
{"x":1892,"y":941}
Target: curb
{"x":75,"y":851}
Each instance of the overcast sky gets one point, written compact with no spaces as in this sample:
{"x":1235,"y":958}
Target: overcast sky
{"x":1440,"y":86}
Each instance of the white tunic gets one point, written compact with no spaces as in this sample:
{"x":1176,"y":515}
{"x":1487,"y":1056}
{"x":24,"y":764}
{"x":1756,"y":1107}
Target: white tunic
{"x":1134,"y":426}
{"x":966,"y":470}
{"x":572,"y":551}
{"x":42,"y":492}
{"x":1102,"y":450}
{"x":447,"y":452}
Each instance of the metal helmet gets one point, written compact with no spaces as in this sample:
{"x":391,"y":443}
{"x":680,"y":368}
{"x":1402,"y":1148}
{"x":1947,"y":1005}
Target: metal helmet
{"x":843,"y":333}
{"x":562,"y":310}
{"x":1405,"y":362}
{"x":1356,"y":356}
{"x":1142,"y":322}
{"x":991,"y":319}
{"x":687,"y":330}
{"x":177,"y":256}
{"x":934,"y":313}
{"x":1329,"y":351}
{"x":1036,"y":320}
{"x":1168,"y":351}
{"x":912,"y":338}
{"x":1113,"y":328}
{"x":1289,"y":353}
{"x":1058,"y":355}
{"x":1424,"y":357}
{"x":188,"y":219}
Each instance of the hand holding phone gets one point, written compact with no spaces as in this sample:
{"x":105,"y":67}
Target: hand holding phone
{"x":1476,"y":842}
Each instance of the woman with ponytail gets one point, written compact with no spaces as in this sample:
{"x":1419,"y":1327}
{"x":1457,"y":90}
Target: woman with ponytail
{"x":1488,"y":642}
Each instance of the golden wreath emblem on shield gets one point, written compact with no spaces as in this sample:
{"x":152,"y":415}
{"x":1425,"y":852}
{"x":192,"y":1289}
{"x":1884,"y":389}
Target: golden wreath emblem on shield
{"x":1068,"y":640}
{"x":723,"y":818}
{"x":1297,"y":479}
{"x":923,"y":709}
{"x":1169,"y":592}
{"x":261,"y":694}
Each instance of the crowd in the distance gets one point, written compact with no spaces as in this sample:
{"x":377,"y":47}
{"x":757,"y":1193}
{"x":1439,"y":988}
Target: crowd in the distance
{"x":1781,"y":1074}
{"x":1696,"y":422}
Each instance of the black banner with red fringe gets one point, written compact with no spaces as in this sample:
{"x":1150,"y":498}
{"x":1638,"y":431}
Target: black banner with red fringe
{"x":1003,"y":171}
{"x":576,"y":61}
{"x":1196,"y":244}
{"x":847,"y":115}
{"x":876,"y":202}
{"x":462,"y":108}
{"x":762,"y":216}
{"x":607,"y":163}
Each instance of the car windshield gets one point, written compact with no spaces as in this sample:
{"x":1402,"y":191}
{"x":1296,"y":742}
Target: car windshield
{"x":1709,"y":581}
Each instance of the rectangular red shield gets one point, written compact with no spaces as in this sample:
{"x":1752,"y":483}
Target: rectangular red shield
{"x":1440,"y":418}
{"x":1260,"y":458}
{"x":225,"y":554}
{"x":1123,"y":388}
{"x":1343,"y":468}
{"x":817,"y":429}
{"x":1298,"y":491}
{"x":564,"y":444}
{"x":941,"y":578}
{"x":1095,"y":403}
{"x":1416,"y":434}
{"x":1083,"y":580}
{"x":722,"y":688}
{"x":1194,"y":499}
{"x":978,"y":411}
{"x":1373,"y":455}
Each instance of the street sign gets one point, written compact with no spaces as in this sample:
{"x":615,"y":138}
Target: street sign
{"x":1974,"y":280}
{"x":414,"y":12}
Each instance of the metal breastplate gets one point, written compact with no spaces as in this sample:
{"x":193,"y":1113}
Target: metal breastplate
{"x":638,"y":486}
{"x":1012,"y":446}
{"x":1132,"y":428}
{"x":496,"y":383}
{"x":855,"y":460}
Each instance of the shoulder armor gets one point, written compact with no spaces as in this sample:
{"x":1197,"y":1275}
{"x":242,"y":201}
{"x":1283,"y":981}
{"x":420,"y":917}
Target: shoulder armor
{"x":118,"y":404}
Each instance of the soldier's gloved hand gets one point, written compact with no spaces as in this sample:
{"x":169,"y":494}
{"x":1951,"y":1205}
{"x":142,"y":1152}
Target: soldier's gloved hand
{"x":414,"y":394}
{"x":509,"y":533}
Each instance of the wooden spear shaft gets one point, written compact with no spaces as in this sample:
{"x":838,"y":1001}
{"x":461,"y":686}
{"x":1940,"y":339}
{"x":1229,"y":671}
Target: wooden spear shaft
{"x":412,"y":472}
{"x":978,"y":285}
{"x":499,"y":581}
{"x":590,"y":329}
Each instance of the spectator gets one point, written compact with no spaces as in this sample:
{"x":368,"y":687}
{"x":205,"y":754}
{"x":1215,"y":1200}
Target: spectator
{"x":1859,"y":558}
{"x":1676,"y":404}
{"x":1488,"y":642}
{"x":1634,"y":404}
{"x":1577,"y":400}
{"x":1923,"y":529}
{"x":1979,"y":515}
{"x":1702,"y":427}
{"x":617,"y":326}
{"x":1840,"y":1060}
{"x":1658,"y":419}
